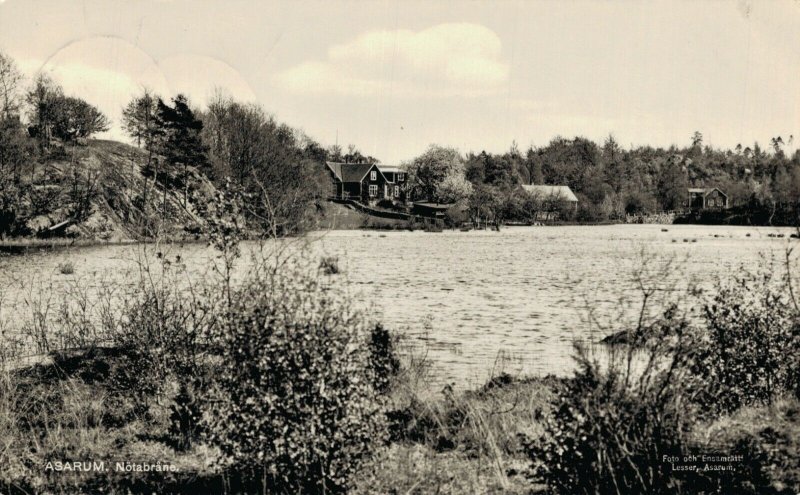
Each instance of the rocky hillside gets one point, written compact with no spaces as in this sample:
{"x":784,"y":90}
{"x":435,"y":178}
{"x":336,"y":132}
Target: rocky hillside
{"x":104,"y":190}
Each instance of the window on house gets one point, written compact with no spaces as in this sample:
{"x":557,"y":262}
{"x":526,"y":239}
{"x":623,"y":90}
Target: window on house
{"x":400,"y":177}
{"x":396,"y":191}
{"x":373,"y":175}
{"x":373,"y":190}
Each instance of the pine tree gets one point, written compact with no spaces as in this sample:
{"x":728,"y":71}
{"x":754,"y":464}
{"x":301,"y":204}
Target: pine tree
{"x":182,"y":144}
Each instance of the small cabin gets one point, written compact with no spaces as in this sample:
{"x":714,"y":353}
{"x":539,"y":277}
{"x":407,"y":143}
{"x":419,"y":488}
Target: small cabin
{"x":706,"y":198}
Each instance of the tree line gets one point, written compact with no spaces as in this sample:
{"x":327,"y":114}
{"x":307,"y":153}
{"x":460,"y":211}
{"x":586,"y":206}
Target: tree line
{"x":609,"y":181}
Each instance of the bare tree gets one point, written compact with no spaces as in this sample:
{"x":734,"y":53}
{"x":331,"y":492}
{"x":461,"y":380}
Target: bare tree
{"x":10,"y":79}
{"x":138,"y":118}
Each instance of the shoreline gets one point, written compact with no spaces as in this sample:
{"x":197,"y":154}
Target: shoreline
{"x":23,"y":245}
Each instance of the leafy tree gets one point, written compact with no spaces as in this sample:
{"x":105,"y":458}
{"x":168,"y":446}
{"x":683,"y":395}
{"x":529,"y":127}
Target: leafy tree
{"x":14,"y":148}
{"x":453,"y":189}
{"x":355,"y":156}
{"x":533,"y":165}
{"x":475,"y":168}
{"x":438,"y":175}
{"x":672,"y":186}
{"x":314,"y":151}
{"x":500,"y":171}
{"x":639,"y":202}
{"x":74,"y":118}
{"x":491,"y":204}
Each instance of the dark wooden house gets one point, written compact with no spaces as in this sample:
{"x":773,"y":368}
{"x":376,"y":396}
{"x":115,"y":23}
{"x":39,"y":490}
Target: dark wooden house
{"x":367,"y":182}
{"x":705,"y":198}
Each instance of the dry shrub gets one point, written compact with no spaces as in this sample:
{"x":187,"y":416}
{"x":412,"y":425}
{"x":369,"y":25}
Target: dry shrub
{"x":615,"y":421}
{"x":295,"y":407}
{"x":609,"y":433}
{"x":748,"y":350}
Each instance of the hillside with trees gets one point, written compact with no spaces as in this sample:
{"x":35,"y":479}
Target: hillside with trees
{"x":57,"y":180}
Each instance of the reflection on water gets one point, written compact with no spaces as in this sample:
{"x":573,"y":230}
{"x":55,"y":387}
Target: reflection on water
{"x":476,"y":302}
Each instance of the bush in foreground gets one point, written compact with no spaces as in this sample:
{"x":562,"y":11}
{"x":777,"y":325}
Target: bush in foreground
{"x":609,"y":434}
{"x":618,"y":423}
{"x":295,"y":408}
{"x":748,"y":351}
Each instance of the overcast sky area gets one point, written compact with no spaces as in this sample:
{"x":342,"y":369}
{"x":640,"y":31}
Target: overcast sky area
{"x":394,"y":76}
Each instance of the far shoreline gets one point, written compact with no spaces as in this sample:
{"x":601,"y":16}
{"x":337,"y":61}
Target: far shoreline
{"x":23,"y":245}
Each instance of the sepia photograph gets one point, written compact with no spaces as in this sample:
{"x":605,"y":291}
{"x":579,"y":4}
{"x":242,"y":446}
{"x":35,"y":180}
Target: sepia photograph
{"x":399,"y":247}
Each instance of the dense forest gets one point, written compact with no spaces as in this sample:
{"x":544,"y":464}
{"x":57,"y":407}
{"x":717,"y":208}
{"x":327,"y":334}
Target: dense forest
{"x":277,"y":172}
{"x":611,"y":181}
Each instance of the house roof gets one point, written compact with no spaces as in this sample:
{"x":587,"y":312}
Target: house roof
{"x":560,"y":192}
{"x":706,"y":190}
{"x":352,"y":172}
{"x":336,"y":168}
{"x":355,"y":172}
{"x":390,"y":169}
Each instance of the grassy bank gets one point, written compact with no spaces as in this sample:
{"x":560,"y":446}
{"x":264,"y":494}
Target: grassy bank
{"x":473,"y":441}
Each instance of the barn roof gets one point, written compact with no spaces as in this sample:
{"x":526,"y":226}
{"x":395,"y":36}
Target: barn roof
{"x":560,"y":192}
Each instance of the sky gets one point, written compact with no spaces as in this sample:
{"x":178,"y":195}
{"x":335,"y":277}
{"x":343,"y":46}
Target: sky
{"x":394,"y":76}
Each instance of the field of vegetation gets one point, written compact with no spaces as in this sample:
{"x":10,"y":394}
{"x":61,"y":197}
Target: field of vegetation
{"x":279,"y":383}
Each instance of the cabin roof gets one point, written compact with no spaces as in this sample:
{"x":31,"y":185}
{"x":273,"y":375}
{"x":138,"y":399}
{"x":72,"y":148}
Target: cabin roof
{"x":390,"y":169}
{"x":561,"y":192}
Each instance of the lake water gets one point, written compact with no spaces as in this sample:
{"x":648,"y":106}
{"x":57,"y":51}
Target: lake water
{"x":475,"y":303}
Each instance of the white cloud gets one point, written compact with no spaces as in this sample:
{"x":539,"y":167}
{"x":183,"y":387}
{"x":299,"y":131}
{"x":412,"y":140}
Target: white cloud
{"x":108,"y":71}
{"x":198,"y":76}
{"x":444,"y":60}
